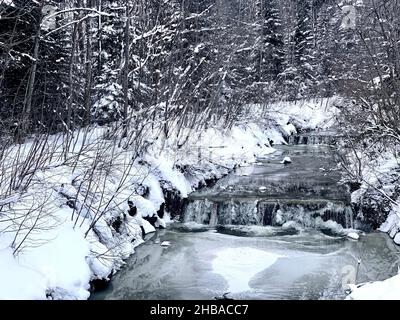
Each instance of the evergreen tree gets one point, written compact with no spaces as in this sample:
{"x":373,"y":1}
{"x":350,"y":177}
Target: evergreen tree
{"x":327,"y":27}
{"x":199,"y":54}
{"x":270,"y":54}
{"x":108,"y":102}
{"x":303,"y":44}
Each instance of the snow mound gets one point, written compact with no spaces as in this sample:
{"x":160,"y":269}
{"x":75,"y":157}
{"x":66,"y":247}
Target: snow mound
{"x":19,"y":282}
{"x":378,"y":290}
{"x":353,"y":235}
{"x":397,"y":238}
{"x":286,"y":160}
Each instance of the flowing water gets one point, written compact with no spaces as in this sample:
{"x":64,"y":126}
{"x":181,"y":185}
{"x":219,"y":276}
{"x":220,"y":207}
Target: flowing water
{"x":266,"y":231}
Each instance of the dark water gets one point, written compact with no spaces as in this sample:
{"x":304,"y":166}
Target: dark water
{"x":312,"y":174}
{"x":259,"y":233}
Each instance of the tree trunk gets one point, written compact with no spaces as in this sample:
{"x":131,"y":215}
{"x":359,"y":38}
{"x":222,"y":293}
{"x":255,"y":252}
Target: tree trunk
{"x":31,"y":83}
{"x":89,"y":54}
{"x":125,"y":75}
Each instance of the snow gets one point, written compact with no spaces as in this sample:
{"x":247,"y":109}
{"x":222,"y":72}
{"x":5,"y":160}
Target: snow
{"x":337,"y":229}
{"x":101,"y":263}
{"x":275,"y":136}
{"x":289,"y":129}
{"x":8,"y":3}
{"x":391,"y":222}
{"x":286,"y":160}
{"x":12,"y":199}
{"x":166,"y":172}
{"x":31,"y":285}
{"x":161,"y":223}
{"x":238,"y":265}
{"x":68,"y":270}
{"x":377,"y":81}
{"x":396,"y":239}
{"x":375,"y":172}
{"x":393,"y":232}
{"x":316,"y":114}
{"x":59,"y":264}
{"x":353,"y":235}
{"x":144,"y":206}
{"x":165,"y":244}
{"x":378,"y":290}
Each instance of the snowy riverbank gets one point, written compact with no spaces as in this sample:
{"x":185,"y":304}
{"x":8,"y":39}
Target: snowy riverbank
{"x":388,"y":289}
{"x":377,"y":200}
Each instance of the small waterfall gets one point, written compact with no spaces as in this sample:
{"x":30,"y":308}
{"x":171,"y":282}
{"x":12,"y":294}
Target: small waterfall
{"x":214,"y":216}
{"x":200,"y":211}
{"x":349,"y":217}
{"x":306,"y":192}
{"x":342,"y":214}
{"x":268,"y":210}
{"x":231,"y":211}
{"x":268,"y":213}
{"x":306,"y":212}
{"x":312,"y":139}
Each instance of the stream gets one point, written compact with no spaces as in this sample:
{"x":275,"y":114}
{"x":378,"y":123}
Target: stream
{"x":266,"y":231}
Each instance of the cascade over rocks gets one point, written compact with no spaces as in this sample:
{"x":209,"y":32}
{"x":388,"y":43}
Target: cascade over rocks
{"x":307,"y":192}
{"x":268,"y":212}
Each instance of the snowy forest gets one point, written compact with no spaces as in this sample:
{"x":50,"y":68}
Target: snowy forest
{"x":67,"y":64}
{"x":113,"y":112}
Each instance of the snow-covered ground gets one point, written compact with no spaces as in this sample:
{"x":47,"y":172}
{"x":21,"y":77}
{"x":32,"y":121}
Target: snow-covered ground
{"x":286,"y":118}
{"x":388,"y":289}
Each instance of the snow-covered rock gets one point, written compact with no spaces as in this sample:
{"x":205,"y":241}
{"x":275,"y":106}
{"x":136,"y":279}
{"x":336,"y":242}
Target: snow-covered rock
{"x":391,"y":222}
{"x":160,"y":223}
{"x":397,"y":238}
{"x":286,"y":160}
{"x":393,"y":231}
{"x":289,"y":129}
{"x":353,"y":235}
